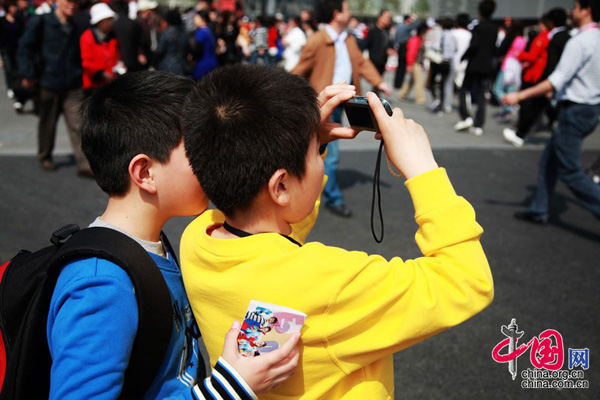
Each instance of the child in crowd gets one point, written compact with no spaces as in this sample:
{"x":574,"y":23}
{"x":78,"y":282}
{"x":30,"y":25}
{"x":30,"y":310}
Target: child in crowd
{"x":133,"y":139}
{"x":253,"y":137}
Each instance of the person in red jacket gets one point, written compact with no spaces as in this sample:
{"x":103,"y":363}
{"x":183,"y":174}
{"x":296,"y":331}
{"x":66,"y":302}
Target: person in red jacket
{"x":414,"y":67}
{"x":100,"y":55}
{"x":533,"y":64}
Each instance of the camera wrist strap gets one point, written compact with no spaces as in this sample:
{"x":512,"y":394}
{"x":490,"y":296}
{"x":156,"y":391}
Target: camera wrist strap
{"x":377,"y":193}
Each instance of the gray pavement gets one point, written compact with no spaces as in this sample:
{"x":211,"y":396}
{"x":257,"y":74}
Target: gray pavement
{"x":545,"y":276}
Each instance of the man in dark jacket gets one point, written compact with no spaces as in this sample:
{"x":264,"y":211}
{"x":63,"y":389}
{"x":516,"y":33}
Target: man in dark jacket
{"x":378,"y":41}
{"x":130,"y":36}
{"x":53,"y":40}
{"x":480,"y":55}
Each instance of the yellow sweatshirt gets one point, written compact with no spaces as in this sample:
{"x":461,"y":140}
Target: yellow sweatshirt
{"x":361,"y":308}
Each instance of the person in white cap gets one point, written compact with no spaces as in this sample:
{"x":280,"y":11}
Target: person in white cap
{"x":100,"y":57}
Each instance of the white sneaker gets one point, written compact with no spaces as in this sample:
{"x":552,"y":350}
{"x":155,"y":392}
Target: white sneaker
{"x":511,"y":137}
{"x":10,"y":94}
{"x":476,"y":131}
{"x":18,"y":106}
{"x":465,"y":124}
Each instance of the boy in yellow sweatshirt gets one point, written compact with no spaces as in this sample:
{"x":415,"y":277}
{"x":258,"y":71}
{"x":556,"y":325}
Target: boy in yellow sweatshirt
{"x":253,"y":137}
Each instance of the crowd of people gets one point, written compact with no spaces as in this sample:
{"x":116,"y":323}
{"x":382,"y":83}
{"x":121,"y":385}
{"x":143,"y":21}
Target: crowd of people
{"x":477,"y":58}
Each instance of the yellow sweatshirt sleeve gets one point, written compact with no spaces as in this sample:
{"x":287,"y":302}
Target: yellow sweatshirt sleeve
{"x":383,"y":307}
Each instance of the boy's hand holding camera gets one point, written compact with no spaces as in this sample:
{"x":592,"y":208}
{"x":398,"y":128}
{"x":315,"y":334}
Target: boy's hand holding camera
{"x":406,"y":143}
{"x":329,"y":99}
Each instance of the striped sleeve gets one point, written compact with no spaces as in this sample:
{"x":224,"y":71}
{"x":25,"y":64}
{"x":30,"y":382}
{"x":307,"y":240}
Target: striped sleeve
{"x":224,"y":383}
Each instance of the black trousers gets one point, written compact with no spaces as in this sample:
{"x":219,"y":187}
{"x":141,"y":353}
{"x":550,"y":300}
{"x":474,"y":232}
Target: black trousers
{"x":530,"y":110}
{"x":437,"y":80}
{"x":477,"y":84}
{"x":399,"y":78}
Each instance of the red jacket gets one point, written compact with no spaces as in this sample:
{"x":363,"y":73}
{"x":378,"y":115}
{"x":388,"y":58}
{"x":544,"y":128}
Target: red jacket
{"x":412,"y":50}
{"x":96,"y":58}
{"x":536,"y":56}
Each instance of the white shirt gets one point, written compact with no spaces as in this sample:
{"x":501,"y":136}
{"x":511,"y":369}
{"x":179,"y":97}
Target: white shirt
{"x":294,"y":42}
{"x":342,"y":70}
{"x":463,"y":40}
{"x":577,"y":75}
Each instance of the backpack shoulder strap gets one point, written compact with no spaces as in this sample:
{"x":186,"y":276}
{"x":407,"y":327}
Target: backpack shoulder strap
{"x":154,"y":310}
{"x":154,"y":300}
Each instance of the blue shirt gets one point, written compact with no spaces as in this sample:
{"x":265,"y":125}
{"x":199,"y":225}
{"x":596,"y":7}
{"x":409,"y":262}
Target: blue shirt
{"x":92,"y":324}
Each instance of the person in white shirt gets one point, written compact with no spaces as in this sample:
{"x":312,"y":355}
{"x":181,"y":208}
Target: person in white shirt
{"x":456,"y":76}
{"x":294,"y":41}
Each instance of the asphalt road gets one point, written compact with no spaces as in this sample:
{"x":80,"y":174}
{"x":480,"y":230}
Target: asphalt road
{"x":545,"y":276}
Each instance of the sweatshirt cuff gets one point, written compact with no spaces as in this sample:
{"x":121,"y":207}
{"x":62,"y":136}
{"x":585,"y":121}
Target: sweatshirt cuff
{"x":228,"y":377}
{"x":430,"y":190}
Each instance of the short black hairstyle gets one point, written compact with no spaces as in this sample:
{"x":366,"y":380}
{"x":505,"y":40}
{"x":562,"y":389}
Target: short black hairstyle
{"x":326,"y":9}
{"x":487,"y":8}
{"x":137,"y":113}
{"x":594,"y":5}
{"x":244,"y":122}
{"x":463,"y":20}
{"x":558,"y":17}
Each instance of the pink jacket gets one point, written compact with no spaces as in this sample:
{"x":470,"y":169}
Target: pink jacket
{"x":517,"y":46}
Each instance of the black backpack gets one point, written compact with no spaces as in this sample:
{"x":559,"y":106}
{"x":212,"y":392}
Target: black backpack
{"x":26,"y":286}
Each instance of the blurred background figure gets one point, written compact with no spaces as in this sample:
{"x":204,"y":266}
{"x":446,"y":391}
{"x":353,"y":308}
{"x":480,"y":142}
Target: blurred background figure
{"x":415,"y":55}
{"x":294,"y":41}
{"x":402,"y":35}
{"x":11,"y":29}
{"x":508,"y":79}
{"x":100,"y":57}
{"x":173,"y":49}
{"x":227,"y":34}
{"x":550,"y":49}
{"x":479,"y":69}
{"x":259,"y":43}
{"x":59,"y":79}
{"x":204,"y":47}
{"x":129,"y":33}
{"x":148,"y":20}
{"x":378,"y":42}
{"x":440,"y":71}
{"x":462,"y":38}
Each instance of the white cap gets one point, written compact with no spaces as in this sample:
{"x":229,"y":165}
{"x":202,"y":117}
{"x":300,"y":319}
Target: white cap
{"x":144,"y":5}
{"x":100,"y":11}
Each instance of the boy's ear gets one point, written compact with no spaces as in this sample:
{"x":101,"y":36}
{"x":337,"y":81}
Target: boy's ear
{"x":278,"y":187}
{"x":141,"y":173}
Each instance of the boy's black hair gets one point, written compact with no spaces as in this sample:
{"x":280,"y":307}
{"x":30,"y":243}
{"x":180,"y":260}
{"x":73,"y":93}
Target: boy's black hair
{"x":594,"y":5}
{"x":137,"y":113}
{"x":326,"y":9}
{"x":242,"y":123}
{"x":487,"y":8}
{"x":463,"y":20}
{"x":558,"y":17}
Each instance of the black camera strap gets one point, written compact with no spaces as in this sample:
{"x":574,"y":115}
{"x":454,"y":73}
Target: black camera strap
{"x":377,"y":193}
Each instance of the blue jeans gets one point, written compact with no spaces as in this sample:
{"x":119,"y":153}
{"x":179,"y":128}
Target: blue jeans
{"x":500,"y":89}
{"x":332,"y":194}
{"x":561,"y":159}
